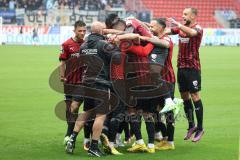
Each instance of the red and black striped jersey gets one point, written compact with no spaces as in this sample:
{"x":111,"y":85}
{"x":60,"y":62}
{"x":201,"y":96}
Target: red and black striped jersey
{"x":168,"y":72}
{"x":188,"y":55}
{"x":70,"y":54}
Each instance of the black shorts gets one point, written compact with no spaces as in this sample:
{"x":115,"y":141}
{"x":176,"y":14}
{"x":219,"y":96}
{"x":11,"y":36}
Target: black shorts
{"x":76,"y":98}
{"x":189,"y":80}
{"x":150,"y":104}
{"x":95,"y":104}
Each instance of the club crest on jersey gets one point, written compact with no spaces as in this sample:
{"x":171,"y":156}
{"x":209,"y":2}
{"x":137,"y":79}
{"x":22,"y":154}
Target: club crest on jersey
{"x":71,"y":49}
{"x":154,"y":57}
{"x":75,"y":55}
{"x":195,"y":83}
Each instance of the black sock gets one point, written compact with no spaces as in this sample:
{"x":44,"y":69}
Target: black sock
{"x":70,"y":128}
{"x":113,"y":128}
{"x":126,"y":130}
{"x":94,"y":144}
{"x":124,"y":126}
{"x":160,"y":126}
{"x":74,"y":135}
{"x":199,"y":114}
{"x":149,"y":121}
{"x":135,"y":125}
{"x":170,"y":126}
{"x":188,"y":108}
{"x":88,"y":129}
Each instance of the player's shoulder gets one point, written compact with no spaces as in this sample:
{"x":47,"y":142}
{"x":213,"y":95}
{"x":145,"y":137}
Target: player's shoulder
{"x":132,"y":22}
{"x":68,"y":41}
{"x":197,"y":26}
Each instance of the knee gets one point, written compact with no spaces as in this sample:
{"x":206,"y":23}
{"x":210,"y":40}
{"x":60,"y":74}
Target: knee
{"x":185,"y":96}
{"x":195,"y":96}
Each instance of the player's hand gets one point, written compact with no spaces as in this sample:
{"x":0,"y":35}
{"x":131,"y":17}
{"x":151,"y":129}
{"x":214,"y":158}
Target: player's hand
{"x":63,"y":79}
{"x":112,"y":38}
{"x":173,"y":21}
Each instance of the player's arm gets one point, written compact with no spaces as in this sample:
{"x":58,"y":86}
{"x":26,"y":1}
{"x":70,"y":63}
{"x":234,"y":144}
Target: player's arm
{"x":156,"y":41}
{"x":128,"y":36}
{"x":189,"y":31}
{"x":140,"y":50}
{"x":112,"y":31}
{"x":62,"y":68}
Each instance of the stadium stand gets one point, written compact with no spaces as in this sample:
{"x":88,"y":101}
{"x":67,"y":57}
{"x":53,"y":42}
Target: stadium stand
{"x":61,"y":4}
{"x":172,"y":8}
{"x":212,"y":14}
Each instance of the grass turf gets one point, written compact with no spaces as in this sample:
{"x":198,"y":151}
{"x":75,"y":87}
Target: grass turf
{"x":29,"y":128}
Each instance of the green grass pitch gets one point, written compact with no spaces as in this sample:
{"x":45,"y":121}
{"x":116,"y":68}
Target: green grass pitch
{"x":29,"y":129}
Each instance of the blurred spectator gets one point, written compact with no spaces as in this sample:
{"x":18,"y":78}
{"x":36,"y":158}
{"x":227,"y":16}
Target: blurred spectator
{"x":12,"y":4}
{"x":62,"y":4}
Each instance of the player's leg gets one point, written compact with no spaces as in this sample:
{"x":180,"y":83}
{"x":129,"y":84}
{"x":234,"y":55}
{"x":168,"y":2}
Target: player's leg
{"x":149,"y":121}
{"x":79,"y":124}
{"x":68,"y":101}
{"x":195,"y":87}
{"x":97,"y":130}
{"x":117,"y":117}
{"x":135,"y":124}
{"x":183,"y":81}
{"x":87,"y":134}
{"x":170,"y":121}
{"x":72,"y":112}
{"x":160,"y":127}
{"x":124,"y":126}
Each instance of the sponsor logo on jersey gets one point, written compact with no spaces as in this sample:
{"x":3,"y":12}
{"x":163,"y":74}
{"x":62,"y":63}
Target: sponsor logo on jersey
{"x":184,"y":40}
{"x":89,"y":51}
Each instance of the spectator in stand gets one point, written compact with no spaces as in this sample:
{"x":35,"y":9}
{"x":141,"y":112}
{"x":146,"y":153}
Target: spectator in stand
{"x":91,"y":5}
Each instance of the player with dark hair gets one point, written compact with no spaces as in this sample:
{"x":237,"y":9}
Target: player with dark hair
{"x":95,"y":49}
{"x":68,"y":74}
{"x":189,"y":69}
{"x":158,"y":27}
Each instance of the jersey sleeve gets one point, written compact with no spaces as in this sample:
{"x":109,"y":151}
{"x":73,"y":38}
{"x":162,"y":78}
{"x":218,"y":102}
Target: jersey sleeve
{"x":138,"y":27}
{"x":140,"y":50}
{"x":175,"y":30}
{"x":199,"y":30}
{"x":64,"y":53}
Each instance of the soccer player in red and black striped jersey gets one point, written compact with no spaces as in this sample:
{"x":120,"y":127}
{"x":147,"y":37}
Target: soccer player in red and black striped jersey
{"x":69,"y":74}
{"x":189,"y":69}
{"x":163,"y":41}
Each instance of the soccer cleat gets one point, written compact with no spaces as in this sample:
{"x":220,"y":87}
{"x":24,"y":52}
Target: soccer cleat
{"x":66,"y":139}
{"x":86,"y":146}
{"x":158,"y":138}
{"x":70,"y":146}
{"x":160,"y":144}
{"x":150,"y":150}
{"x":168,"y":107}
{"x":190,"y":133}
{"x":127,"y":141}
{"x":95,"y":152}
{"x":104,"y":140}
{"x":198,"y":135}
{"x":138,"y":148}
{"x":119,"y":143}
{"x":167,"y":146}
{"x":114,"y":151}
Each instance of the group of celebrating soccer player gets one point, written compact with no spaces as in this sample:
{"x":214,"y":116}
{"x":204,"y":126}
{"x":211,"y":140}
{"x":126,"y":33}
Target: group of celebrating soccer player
{"x":122,"y":74}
